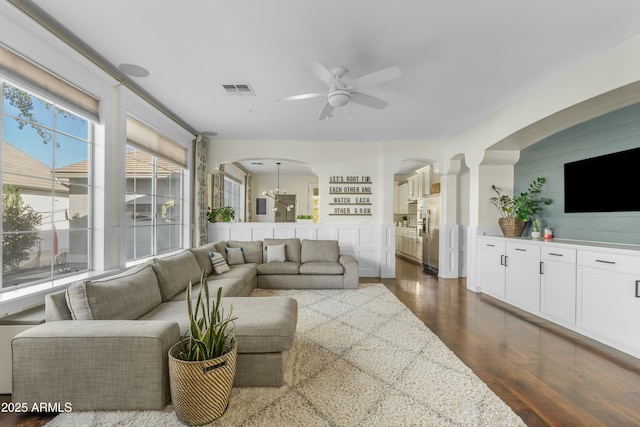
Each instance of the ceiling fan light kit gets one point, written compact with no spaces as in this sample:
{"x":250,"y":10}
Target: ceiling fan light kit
{"x":341,"y":93}
{"x":339,"y":98}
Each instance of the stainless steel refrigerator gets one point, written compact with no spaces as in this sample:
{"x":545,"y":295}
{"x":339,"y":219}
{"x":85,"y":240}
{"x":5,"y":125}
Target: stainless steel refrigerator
{"x":431,"y":236}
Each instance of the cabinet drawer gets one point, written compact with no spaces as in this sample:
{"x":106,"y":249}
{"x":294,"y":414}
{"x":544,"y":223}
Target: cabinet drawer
{"x":558,"y":254}
{"x":612,"y":262}
{"x":490,"y":245}
{"x":523,"y":249}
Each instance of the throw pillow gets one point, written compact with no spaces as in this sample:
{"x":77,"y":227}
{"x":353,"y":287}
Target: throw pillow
{"x":219,"y":264}
{"x":275,"y":253}
{"x":235,"y":256}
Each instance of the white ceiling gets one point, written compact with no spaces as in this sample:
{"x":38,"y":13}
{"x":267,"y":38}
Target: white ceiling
{"x":461,"y":60}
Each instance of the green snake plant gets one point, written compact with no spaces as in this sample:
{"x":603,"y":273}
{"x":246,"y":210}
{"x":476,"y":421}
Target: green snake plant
{"x":209,"y":333}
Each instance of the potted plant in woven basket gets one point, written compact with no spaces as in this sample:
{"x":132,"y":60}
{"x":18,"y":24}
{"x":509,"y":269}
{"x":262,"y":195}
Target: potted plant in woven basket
{"x":518,"y":210}
{"x":223,"y":214}
{"x":202,"y":366}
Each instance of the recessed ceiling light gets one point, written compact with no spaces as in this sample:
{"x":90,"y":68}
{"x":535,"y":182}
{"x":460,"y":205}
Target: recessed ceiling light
{"x":133,"y":70}
{"x":209,"y":133}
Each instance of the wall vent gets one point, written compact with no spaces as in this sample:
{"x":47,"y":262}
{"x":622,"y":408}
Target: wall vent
{"x":239,"y":89}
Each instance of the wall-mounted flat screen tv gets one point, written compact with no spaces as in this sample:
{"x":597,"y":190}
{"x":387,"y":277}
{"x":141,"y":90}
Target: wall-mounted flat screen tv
{"x":606,"y":183}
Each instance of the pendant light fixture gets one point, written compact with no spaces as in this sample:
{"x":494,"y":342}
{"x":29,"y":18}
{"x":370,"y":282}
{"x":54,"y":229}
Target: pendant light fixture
{"x":275,"y":195}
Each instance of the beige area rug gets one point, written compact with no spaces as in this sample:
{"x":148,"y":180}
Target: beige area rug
{"x":360,"y":358}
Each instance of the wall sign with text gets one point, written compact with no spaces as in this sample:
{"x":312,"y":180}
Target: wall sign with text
{"x":350,"y":195}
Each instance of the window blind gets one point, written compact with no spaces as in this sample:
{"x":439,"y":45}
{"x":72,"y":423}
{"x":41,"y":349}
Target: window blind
{"x":150,"y":140}
{"x":31,"y":75}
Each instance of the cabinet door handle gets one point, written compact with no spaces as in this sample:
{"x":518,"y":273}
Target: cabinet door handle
{"x":605,"y":262}
{"x":551,"y":253}
{"x":637,"y":288}
{"x":505,"y":260}
{"x":541,"y":267}
{"x":521,"y":250}
{"x":492,"y":246}
{"x":501,"y":259}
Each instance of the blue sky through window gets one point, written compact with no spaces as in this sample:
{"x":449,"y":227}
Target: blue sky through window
{"x":64,"y":131}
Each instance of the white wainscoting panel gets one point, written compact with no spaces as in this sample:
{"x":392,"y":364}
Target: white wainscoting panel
{"x":449,"y":251}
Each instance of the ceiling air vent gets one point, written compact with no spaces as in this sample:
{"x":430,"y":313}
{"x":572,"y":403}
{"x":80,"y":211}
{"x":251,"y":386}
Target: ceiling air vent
{"x":239,"y":89}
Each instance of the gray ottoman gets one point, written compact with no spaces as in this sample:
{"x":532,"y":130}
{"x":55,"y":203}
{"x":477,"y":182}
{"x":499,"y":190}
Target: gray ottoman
{"x":265,"y":330}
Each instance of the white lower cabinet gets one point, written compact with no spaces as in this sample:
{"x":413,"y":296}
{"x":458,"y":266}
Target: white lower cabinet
{"x":491,"y":267}
{"x":558,"y":283}
{"x":608,"y":298}
{"x":593,"y":290}
{"x":523,"y":275}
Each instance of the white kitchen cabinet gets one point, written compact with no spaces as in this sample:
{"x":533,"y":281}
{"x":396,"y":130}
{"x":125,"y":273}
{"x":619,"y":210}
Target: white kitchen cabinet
{"x":424,"y":181}
{"x":558,"y":283}
{"x":412,"y":187}
{"x":523,"y":275}
{"x":403,"y":190}
{"x":608,"y":298}
{"x":491,"y":267}
{"x":407,"y":243}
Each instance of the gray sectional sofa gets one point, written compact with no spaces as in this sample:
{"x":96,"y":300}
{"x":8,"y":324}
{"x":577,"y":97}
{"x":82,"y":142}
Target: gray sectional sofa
{"x":105,"y":343}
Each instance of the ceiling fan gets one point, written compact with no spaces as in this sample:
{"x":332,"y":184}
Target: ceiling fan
{"x":341,"y":93}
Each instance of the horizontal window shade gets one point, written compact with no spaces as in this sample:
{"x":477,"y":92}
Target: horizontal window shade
{"x":32,"y":76}
{"x":148,"y":139}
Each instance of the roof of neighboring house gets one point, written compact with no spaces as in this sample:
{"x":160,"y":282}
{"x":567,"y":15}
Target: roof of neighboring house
{"x":138,"y":162}
{"x":23,"y":171}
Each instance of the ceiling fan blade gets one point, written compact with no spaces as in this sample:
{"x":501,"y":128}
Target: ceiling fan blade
{"x":322,"y":72}
{"x":368,"y":100}
{"x":374,"y":79}
{"x":303,"y":96}
{"x":326,"y":111}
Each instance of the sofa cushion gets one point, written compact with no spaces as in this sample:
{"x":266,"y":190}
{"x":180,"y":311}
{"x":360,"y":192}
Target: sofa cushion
{"x":321,"y":267}
{"x":124,"y":296}
{"x":291,"y":248}
{"x":252,"y":251}
{"x":202,"y":255}
{"x":235,"y":256}
{"x":175,"y":272}
{"x":319,"y":250}
{"x":219,"y":264}
{"x":275,"y":253}
{"x":246,"y":272}
{"x":231,"y":287}
{"x":286,"y":267}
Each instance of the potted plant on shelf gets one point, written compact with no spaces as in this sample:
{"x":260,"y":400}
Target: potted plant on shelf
{"x":202,"y":366}
{"x":304,"y":218}
{"x":518,"y":210}
{"x":223,"y":214}
{"x":535,"y":229}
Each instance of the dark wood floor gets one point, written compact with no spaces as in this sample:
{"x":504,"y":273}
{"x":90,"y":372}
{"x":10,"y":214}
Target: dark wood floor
{"x":548,"y":375}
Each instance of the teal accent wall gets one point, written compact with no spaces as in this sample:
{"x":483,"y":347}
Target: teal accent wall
{"x":616,"y":131}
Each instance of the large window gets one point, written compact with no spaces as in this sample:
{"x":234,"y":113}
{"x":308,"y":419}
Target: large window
{"x":46,"y":183}
{"x":155,"y":220}
{"x":232,"y":195}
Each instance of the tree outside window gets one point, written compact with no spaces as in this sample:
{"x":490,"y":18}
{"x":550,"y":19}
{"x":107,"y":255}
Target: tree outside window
{"x":46,"y":189}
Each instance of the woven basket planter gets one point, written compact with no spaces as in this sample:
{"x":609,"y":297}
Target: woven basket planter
{"x":200,"y":390}
{"x":511,"y":227}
